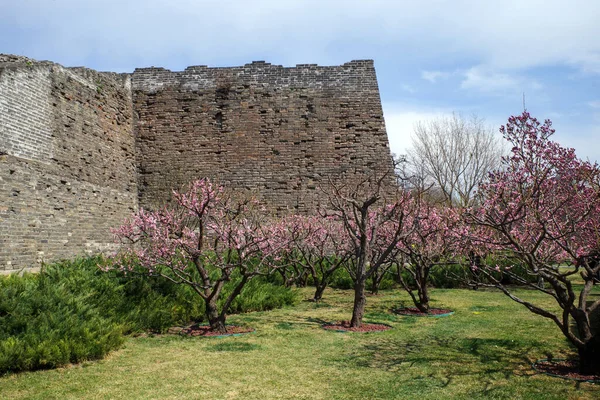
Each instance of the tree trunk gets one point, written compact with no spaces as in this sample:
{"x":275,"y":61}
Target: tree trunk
{"x":319,"y":291}
{"x":423,"y":304}
{"x":398,"y":276}
{"x":290,"y":282}
{"x":540,"y":282}
{"x":286,"y":281}
{"x":360,"y":300}
{"x":376,"y":283}
{"x":374,"y":286}
{"x":589,"y":357}
{"x":216,"y":321}
{"x":475,"y":260}
{"x":421,"y":278}
{"x":301,"y":280}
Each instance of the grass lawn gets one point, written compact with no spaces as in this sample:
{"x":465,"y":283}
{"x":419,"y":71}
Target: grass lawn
{"x":484,"y":350}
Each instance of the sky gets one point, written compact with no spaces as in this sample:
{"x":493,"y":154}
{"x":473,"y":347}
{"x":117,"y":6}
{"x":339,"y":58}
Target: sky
{"x":433,"y":58}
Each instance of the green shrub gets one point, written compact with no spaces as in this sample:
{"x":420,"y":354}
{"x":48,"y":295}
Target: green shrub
{"x":448,"y":276}
{"x":516,"y":267}
{"x":72,"y":311}
{"x":45,"y":325}
{"x":260,"y":295}
{"x":387,"y":282}
{"x":456,"y":275}
{"x":341,"y":279}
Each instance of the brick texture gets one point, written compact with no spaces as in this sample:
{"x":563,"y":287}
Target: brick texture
{"x":80,"y":149}
{"x":279,"y":132}
{"x":67,"y":165}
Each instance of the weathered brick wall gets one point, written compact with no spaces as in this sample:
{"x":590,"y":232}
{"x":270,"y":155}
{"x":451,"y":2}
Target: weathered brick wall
{"x":26,"y":110}
{"x":277,"y":131}
{"x":67,"y":165}
{"x":78,"y":149}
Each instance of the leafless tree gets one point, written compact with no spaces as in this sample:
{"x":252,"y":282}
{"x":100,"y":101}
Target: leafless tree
{"x":450,"y":156}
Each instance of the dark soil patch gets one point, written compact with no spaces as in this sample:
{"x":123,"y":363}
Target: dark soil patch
{"x":344,"y":326}
{"x":566,"y":369}
{"x":415,"y":312}
{"x":204,"y":330}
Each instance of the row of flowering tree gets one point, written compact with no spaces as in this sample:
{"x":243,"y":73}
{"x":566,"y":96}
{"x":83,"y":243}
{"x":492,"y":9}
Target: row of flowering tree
{"x":541,"y":209}
{"x":315,"y":246}
{"x":365,"y":228}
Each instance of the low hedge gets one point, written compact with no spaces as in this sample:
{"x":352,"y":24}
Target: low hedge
{"x":71,"y":311}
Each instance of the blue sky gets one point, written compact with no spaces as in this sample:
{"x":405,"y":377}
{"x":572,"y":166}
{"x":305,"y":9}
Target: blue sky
{"x":432,"y":57}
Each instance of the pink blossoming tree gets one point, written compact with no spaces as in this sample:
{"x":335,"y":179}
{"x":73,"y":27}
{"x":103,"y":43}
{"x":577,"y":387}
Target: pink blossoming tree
{"x":431,"y":239}
{"x":543,"y":209}
{"x":204,"y":240}
{"x":372,"y":215}
{"x":316,"y":246}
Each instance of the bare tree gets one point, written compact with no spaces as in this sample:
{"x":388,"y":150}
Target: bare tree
{"x":450,"y":156}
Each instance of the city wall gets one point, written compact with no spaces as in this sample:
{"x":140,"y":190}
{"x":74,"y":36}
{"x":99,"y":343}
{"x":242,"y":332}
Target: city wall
{"x":67,"y":163}
{"x":80,"y":150}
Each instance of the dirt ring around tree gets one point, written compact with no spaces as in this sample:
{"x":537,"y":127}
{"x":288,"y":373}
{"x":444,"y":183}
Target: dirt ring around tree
{"x":415,"y":312}
{"x":344,"y":326}
{"x":205,"y":331}
{"x":565,"y":369}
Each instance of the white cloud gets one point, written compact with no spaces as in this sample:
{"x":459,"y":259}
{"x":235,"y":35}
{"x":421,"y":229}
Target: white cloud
{"x":535,"y":85}
{"x":516,"y":34}
{"x":509,"y":34}
{"x":477,"y":78}
{"x":408,"y":88}
{"x":486,"y":80}
{"x":433,"y":76}
{"x":594,"y":104}
{"x":400,"y":122}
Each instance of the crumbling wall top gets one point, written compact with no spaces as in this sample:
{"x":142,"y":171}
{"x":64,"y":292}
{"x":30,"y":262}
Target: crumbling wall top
{"x":356,"y":75}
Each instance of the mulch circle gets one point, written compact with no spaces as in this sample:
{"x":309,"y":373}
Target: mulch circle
{"x":344,"y":326}
{"x":204,"y":330}
{"x":415,"y":312}
{"x":565,"y":369}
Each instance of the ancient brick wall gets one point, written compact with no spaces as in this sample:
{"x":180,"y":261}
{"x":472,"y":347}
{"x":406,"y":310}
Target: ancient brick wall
{"x":280,"y":132}
{"x":67,"y":165}
{"x":79,"y":148}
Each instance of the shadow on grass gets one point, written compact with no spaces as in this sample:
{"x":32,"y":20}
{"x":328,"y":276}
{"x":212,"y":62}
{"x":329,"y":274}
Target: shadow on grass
{"x":381,"y":316}
{"x":286,"y":326}
{"x":447,"y":358}
{"x":318,"y":321}
{"x":234,"y":347}
{"x":484,"y":308}
{"x":431,"y":363}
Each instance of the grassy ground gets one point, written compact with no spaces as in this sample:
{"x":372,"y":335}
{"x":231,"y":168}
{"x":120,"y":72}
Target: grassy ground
{"x":484,"y":350}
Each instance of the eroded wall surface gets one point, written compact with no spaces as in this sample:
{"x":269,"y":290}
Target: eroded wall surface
{"x":67,"y":164}
{"x":80,"y":149}
{"x":279,"y":132}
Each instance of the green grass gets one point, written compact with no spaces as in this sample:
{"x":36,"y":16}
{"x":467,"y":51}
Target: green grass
{"x":484,"y":350}
{"x":72,"y":312}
